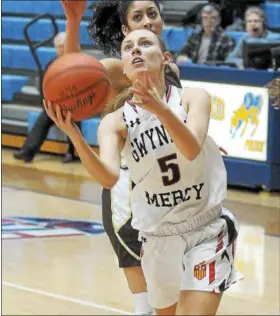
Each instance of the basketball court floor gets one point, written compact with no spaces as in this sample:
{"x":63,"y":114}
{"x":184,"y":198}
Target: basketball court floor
{"x":56,"y":259}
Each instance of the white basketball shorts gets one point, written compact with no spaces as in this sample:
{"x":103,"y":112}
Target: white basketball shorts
{"x":200,"y":260}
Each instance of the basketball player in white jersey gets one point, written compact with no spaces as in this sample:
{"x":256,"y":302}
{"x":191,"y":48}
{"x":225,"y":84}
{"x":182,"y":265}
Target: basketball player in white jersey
{"x":179,"y":181}
{"x":116,"y":209}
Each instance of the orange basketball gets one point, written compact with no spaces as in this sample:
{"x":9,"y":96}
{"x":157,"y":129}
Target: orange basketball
{"x":78,"y":83}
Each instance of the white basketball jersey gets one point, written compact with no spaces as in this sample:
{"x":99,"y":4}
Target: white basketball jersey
{"x":169,"y":189}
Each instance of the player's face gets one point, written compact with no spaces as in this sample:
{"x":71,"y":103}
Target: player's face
{"x":143,"y":15}
{"x":141,"y":50}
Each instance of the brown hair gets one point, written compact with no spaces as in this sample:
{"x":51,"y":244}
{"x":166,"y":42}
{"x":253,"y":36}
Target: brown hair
{"x":117,"y":102}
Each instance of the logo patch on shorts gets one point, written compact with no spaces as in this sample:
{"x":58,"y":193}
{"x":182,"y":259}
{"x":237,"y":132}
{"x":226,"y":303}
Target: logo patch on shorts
{"x":199,"y":271}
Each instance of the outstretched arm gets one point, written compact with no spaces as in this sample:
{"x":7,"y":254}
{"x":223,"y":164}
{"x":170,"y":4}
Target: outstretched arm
{"x":74,"y":11}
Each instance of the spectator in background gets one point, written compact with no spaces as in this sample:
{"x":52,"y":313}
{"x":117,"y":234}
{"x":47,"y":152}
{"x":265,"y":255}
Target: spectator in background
{"x":255,"y":21}
{"x":274,"y":92}
{"x":232,"y":12}
{"x":38,"y":134}
{"x":208,"y":43}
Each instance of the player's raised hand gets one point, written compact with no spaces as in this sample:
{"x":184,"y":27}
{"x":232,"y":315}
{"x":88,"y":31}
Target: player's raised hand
{"x":148,"y":94}
{"x":74,"y":9}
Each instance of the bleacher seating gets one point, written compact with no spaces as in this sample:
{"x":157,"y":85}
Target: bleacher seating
{"x":18,"y":64}
{"x":11,"y":84}
{"x":35,"y":7}
{"x":19,"y":93}
{"x":236,"y":36}
{"x":176,"y":37}
{"x":19,"y":56}
{"x":12,"y":29}
{"x":272,"y":12}
{"x":88,"y":128}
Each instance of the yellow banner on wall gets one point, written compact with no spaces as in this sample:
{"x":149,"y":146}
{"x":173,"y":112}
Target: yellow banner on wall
{"x":239,"y":118}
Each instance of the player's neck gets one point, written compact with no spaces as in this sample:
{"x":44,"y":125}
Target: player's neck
{"x":160,"y":86}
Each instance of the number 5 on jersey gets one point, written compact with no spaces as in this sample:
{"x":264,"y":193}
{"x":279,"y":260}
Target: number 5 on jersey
{"x":167,"y":164}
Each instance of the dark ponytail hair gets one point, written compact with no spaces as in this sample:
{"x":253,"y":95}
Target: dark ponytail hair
{"x":105,"y":28}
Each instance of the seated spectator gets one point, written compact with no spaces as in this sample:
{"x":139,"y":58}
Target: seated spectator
{"x":208,"y":43}
{"x":256,"y":28}
{"x":232,"y":12}
{"x":39,"y":132}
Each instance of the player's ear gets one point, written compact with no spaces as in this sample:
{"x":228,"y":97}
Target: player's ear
{"x":166,"y":58}
{"x":125,"y":30}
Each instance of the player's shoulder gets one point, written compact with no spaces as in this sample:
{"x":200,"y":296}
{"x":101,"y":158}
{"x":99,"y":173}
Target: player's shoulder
{"x":194,"y":92}
{"x":112,"y":122}
{"x":196,"y":98}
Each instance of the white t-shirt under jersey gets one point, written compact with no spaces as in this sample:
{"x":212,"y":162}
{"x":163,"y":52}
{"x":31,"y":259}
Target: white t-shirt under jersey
{"x":169,"y":189}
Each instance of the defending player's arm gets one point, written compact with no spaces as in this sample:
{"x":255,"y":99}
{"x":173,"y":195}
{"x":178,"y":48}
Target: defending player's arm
{"x":118,"y":80}
{"x":189,"y":138}
{"x":106,"y":168}
{"x":74,"y":11}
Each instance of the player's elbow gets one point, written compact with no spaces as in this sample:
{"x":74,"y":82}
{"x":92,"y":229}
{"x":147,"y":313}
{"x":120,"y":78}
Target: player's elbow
{"x":108,"y":185}
{"x":193,"y":152}
{"x":110,"y":182}
{"x":193,"y":156}
{"x":106,"y":179}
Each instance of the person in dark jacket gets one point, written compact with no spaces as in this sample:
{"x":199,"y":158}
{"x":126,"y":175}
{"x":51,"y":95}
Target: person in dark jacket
{"x":208,"y":43}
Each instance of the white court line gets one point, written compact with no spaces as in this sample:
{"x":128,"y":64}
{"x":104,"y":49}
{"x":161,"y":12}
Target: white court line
{"x":65,"y":298}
